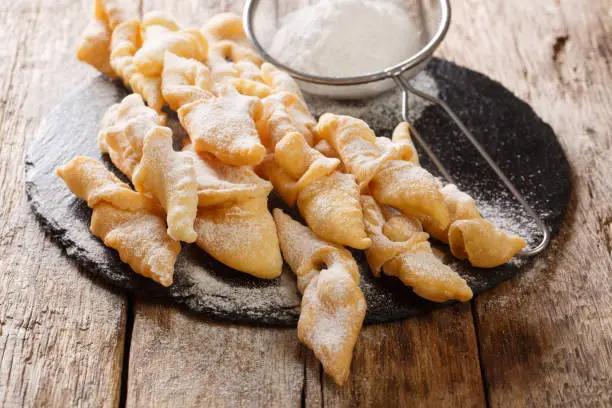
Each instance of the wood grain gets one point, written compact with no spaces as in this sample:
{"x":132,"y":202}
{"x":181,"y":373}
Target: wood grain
{"x":546,"y":337}
{"x":180,"y":360}
{"x":427,"y":361}
{"x":61,"y":334}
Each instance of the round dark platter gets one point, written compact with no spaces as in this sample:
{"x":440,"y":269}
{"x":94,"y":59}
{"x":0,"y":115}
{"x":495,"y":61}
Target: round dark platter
{"x":522,"y":144}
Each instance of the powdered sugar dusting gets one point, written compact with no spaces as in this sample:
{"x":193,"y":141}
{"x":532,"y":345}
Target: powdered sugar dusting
{"x":505,"y":213}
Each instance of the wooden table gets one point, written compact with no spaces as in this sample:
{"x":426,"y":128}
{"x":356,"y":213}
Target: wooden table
{"x":542,"y":339}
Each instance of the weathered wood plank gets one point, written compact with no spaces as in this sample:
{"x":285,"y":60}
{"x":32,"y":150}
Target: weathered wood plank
{"x":61,"y":335}
{"x":546,"y":337}
{"x":180,"y":360}
{"x":426,"y":361}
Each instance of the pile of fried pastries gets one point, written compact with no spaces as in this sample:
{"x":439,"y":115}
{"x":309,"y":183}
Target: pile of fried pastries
{"x":250,"y":131}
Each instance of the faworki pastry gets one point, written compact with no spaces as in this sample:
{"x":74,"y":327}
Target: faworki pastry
{"x":234,"y":224}
{"x":333,"y":306}
{"x":389,"y":171}
{"x":219,"y":120}
{"x":184,"y":80}
{"x":124,"y":219}
{"x":220,"y":183}
{"x":241,"y":235}
{"x":142,"y":150}
{"x":400,"y":248}
{"x":381,"y":166}
{"x":230,"y":54}
{"x":118,"y":44}
{"x":284,"y":112}
{"x":125,"y":41}
{"x":224,"y":125}
{"x":473,"y":238}
{"x":326,"y":198}
{"x":162,"y":34}
{"x":94,"y":45}
{"x":220,"y":207}
{"x":138,"y":49}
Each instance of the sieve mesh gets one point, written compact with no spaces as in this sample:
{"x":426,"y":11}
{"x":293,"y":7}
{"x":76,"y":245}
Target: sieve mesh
{"x":263,"y":18}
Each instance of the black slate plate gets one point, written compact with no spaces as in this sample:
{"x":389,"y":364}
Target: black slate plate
{"x":524,"y":146}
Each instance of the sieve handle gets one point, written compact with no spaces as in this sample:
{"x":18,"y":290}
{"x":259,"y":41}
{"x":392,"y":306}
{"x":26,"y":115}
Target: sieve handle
{"x":407,"y":88}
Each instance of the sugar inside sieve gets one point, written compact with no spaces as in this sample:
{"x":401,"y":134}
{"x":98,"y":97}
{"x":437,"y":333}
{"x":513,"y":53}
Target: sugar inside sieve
{"x":264,"y":18}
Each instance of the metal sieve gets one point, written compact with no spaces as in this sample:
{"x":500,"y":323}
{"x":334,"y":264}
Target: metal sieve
{"x":434,"y":29}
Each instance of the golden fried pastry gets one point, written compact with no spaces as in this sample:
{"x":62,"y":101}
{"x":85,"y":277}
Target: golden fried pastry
{"x":264,"y":81}
{"x":283,"y":183}
{"x":333,"y":306}
{"x":251,"y":87}
{"x":303,"y":163}
{"x":401,"y":137}
{"x":141,"y":240}
{"x":460,"y":207}
{"x":389,"y":168}
{"x":242,"y":236}
{"x":93,"y":47}
{"x":184,"y":81}
{"x":220,"y":183}
{"x":138,"y":50}
{"x":356,"y":144}
{"x":381,"y":165}
{"x":326,"y":149}
{"x":123,"y":126}
{"x":114,"y":12}
{"x":171,"y":177}
{"x":327,"y":199}
{"x":279,"y":81}
{"x":284,"y":113}
{"x":412,"y":190}
{"x":249,"y":70}
{"x":330,"y":206}
{"x":162,"y":34}
{"x":125,"y":220}
{"x":225,"y":126}
{"x":483,"y":245}
{"x":142,"y":150}
{"x":400,"y":248}
{"x":471,"y":237}
{"x":230,"y":53}
{"x":125,"y":42}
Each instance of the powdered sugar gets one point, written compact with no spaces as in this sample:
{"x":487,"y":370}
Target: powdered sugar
{"x":345,"y":37}
{"x":505,"y":213}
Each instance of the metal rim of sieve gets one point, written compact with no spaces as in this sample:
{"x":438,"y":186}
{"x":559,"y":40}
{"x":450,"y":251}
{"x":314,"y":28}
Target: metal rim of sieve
{"x":415,"y":63}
